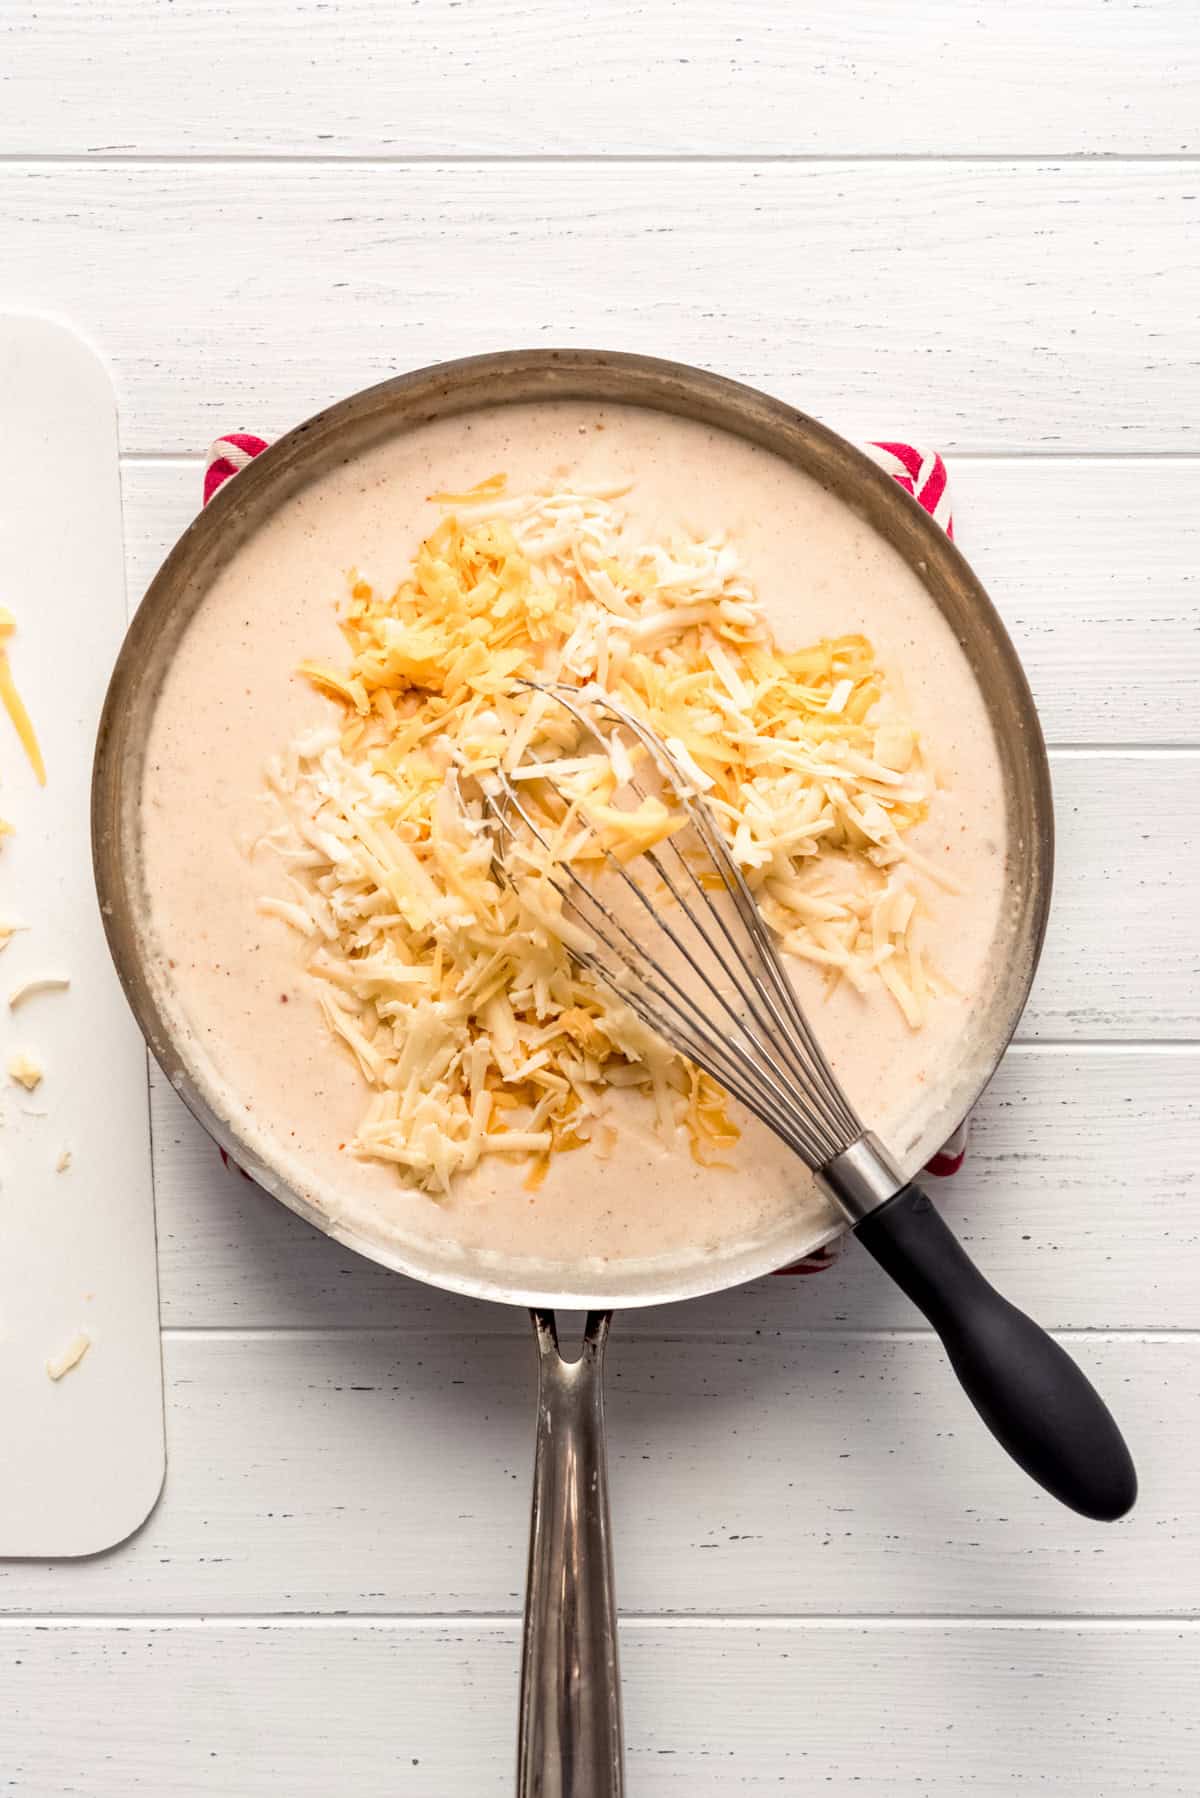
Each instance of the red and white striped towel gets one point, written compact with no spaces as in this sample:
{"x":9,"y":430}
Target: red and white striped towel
{"x":920,"y":472}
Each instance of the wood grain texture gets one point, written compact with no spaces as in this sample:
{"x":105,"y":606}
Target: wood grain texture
{"x":986,"y":306}
{"x":1073,"y":1157}
{"x":1087,"y":553}
{"x":397,"y":1711}
{"x":371,"y":1472}
{"x":1093,"y":567}
{"x":1120,"y":958}
{"x":619,"y":76}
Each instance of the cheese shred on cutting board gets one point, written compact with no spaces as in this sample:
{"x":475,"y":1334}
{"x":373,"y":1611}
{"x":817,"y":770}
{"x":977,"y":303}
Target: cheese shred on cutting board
{"x":14,"y":705}
{"x":455,"y":991}
{"x":62,"y":1364}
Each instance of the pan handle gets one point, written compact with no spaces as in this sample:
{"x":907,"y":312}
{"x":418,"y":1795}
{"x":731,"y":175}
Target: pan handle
{"x":570,"y":1734}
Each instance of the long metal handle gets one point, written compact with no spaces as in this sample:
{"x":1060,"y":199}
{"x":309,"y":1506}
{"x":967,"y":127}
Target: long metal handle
{"x":570,"y":1741}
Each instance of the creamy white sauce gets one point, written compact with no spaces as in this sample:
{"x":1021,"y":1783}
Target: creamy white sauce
{"x":233,"y":980}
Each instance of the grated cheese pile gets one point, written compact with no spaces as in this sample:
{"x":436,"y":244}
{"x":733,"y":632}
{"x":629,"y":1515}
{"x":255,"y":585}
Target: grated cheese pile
{"x":455,"y":992}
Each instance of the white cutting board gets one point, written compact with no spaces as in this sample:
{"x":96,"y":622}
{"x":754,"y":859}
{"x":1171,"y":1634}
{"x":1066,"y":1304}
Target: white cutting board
{"x":81,"y":1460}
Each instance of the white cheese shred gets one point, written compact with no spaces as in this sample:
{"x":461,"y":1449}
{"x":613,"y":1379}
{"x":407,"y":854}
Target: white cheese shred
{"x":25,"y":1070}
{"x":61,"y":1364}
{"x":43,"y":983}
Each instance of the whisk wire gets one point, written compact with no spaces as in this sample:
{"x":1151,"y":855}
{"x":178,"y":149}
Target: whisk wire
{"x":814,"y":1067}
{"x":759,"y":1046}
{"x":691,"y":1028}
{"x":786,"y":1017}
{"x":766,"y":1021}
{"x":759,"y":995}
{"x":826,"y":1089}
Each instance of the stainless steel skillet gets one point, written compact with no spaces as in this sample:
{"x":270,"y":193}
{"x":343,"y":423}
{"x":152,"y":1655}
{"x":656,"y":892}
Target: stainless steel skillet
{"x":570,"y":1735}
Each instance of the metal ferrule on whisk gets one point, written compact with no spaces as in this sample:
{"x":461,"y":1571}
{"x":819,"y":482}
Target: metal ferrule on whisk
{"x":862,"y":1178}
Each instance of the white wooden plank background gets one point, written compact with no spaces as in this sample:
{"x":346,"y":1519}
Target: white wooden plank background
{"x":419,"y":1711}
{"x":988,"y":305}
{"x":975,"y":226}
{"x":769,"y":77}
{"x":782,"y":1474}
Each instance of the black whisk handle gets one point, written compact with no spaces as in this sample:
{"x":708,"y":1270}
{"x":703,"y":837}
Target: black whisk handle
{"x":1031,"y":1395}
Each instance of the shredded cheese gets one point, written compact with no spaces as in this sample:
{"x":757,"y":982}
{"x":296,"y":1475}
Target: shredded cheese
{"x":44,"y":983}
{"x":70,"y":1357}
{"x":14,"y":705}
{"x":455,"y":990}
{"x":24,"y":1070}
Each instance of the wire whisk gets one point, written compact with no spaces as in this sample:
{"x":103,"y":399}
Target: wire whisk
{"x":673,"y":931}
{"x":691,"y":957}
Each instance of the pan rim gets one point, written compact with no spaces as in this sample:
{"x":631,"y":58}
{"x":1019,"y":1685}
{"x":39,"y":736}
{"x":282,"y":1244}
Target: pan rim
{"x":402,"y":403}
